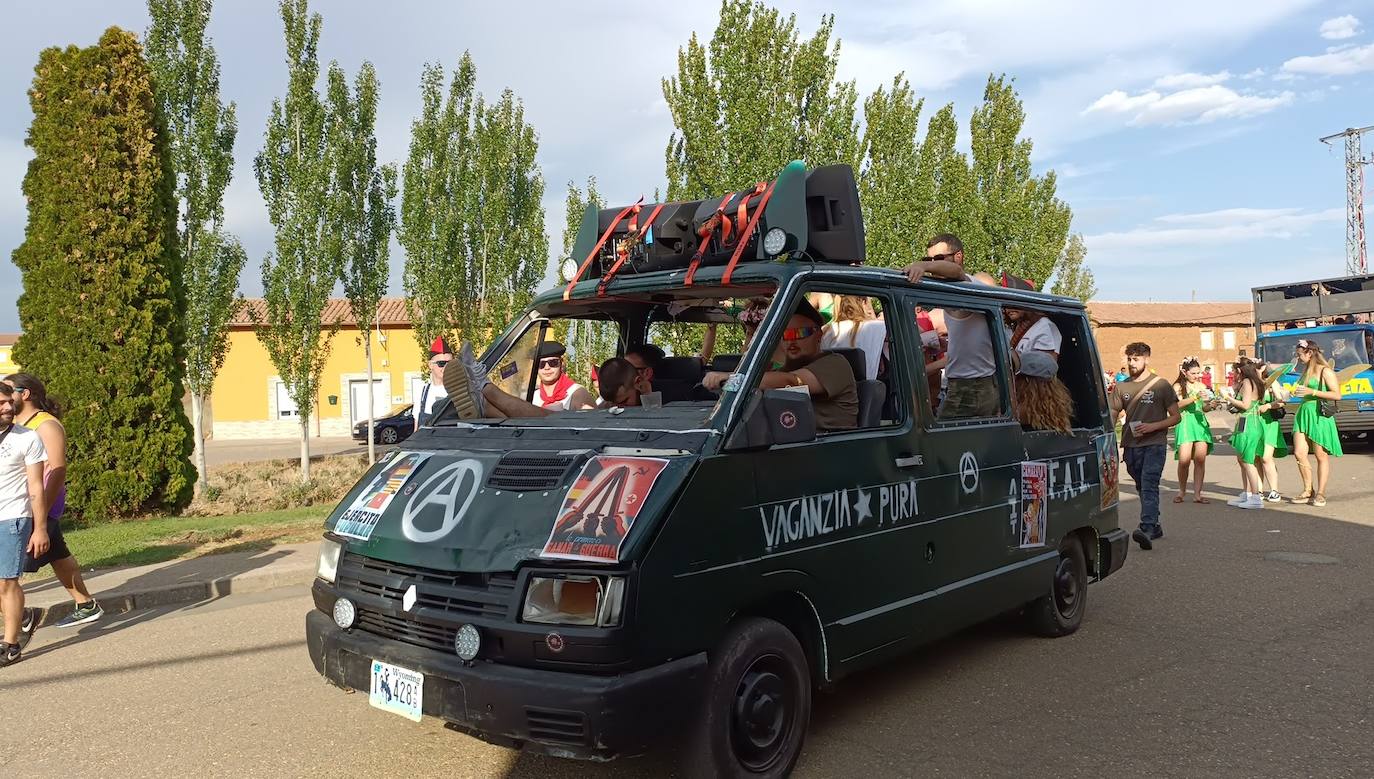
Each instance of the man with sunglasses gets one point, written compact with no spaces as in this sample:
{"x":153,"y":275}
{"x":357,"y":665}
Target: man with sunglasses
{"x":826,"y":376}
{"x":440,"y":355}
{"x":971,"y":364}
{"x":556,"y":390}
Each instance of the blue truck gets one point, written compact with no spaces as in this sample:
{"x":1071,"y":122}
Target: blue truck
{"x":1335,"y":314}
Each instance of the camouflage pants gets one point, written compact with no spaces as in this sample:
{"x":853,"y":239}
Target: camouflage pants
{"x":966,"y":398}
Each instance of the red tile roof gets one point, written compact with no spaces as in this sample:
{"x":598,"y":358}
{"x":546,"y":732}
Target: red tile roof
{"x":390,"y":313}
{"x":1152,"y":313}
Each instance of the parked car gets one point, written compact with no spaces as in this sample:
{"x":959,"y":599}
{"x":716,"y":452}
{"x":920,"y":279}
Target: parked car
{"x":391,"y":429}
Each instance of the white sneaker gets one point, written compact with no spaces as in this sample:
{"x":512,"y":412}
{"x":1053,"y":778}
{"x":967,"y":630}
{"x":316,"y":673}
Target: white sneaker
{"x":1255,"y":502}
{"x":1239,"y":500}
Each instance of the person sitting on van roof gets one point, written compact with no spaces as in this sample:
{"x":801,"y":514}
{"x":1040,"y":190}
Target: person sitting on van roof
{"x":826,"y":375}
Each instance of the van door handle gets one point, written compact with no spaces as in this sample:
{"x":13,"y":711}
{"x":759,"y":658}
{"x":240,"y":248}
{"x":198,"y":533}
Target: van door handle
{"x":908,"y":461}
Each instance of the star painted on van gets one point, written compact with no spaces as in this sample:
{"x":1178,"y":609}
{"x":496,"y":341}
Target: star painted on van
{"x":862,"y":505}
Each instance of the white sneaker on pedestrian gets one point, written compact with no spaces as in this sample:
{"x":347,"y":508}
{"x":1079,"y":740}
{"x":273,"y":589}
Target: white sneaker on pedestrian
{"x":1240,"y":499}
{"x":1255,"y":502}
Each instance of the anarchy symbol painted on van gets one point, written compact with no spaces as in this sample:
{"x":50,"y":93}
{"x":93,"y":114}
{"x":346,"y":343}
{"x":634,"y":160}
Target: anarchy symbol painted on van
{"x":968,"y":472}
{"x":450,"y":491}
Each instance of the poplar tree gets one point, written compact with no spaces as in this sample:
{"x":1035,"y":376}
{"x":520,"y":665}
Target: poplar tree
{"x":102,"y":305}
{"x":1072,"y":278}
{"x":436,"y":175}
{"x":890,"y":185}
{"x":472,"y":222}
{"x":361,"y":214}
{"x":293,"y":172}
{"x":201,"y":132}
{"x":586,"y":339}
{"x":753,"y":99}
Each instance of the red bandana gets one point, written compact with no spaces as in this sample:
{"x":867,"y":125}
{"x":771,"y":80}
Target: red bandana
{"x":561,"y":388}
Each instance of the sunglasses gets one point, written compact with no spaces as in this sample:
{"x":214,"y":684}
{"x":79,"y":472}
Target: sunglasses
{"x":799,"y":333}
{"x":439,"y":363}
{"x":551,"y":362}
{"x":939,"y":257}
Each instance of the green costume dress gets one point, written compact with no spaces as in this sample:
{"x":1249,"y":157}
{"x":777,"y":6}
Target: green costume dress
{"x":1193,"y":426}
{"x":1309,"y":421}
{"x":1273,"y":434}
{"x":1248,"y":438}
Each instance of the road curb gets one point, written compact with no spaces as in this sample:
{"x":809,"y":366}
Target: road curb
{"x":125,"y":601}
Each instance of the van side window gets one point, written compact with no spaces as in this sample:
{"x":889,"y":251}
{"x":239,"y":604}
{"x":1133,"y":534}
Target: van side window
{"x":1077,"y":372}
{"x":965,"y":350}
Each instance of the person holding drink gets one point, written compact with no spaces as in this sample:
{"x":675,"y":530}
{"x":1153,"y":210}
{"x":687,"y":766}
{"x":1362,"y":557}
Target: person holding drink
{"x":1314,"y":425}
{"x":1150,"y":406}
{"x":1193,"y":435}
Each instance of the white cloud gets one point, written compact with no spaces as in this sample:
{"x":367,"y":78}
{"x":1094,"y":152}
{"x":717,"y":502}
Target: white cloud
{"x":1189,"y":106}
{"x":1213,"y":228}
{"x":1070,"y":170}
{"x":1252,"y":75}
{"x":1340,"y":28}
{"x":1191,"y":80}
{"x":1339,"y":61}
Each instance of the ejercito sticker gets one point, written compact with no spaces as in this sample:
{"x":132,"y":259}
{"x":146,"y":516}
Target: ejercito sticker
{"x":601,"y":507}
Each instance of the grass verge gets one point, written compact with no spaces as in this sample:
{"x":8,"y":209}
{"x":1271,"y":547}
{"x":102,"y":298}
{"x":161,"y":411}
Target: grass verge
{"x":142,"y":542}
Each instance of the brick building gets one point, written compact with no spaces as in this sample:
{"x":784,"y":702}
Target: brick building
{"x":1215,"y":333}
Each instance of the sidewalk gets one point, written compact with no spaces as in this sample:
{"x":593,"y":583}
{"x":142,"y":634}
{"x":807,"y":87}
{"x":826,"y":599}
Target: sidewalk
{"x":182,"y":581}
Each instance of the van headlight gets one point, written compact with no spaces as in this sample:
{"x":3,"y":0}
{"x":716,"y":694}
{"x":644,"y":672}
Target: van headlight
{"x":574,"y":600}
{"x":328,"y":566}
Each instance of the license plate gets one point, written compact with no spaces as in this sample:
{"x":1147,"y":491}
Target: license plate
{"x":397,"y":690}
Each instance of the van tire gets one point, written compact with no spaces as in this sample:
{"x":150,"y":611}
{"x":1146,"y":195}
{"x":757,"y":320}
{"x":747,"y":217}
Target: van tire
{"x":1060,"y":612}
{"x":756,"y":706}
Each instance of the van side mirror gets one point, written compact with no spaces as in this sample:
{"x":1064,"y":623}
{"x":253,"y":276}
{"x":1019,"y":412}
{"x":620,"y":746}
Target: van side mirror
{"x":774,"y":417}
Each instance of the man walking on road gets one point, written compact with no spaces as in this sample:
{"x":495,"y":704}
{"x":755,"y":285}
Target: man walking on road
{"x":21,"y":499}
{"x":36,"y":411}
{"x":1151,"y":408}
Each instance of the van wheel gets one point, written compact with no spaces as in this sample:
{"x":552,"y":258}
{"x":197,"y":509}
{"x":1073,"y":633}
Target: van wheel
{"x":757,"y":703}
{"x":1060,"y":612}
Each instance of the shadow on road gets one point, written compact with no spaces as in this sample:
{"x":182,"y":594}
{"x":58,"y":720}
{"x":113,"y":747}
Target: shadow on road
{"x":186,"y":576}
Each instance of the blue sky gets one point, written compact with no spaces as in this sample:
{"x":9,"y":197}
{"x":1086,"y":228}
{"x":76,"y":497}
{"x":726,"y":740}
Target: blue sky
{"x":1184,"y":133}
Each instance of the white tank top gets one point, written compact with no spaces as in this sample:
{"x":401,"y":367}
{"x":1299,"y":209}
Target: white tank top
{"x":561,"y":405}
{"x":970,"y":347}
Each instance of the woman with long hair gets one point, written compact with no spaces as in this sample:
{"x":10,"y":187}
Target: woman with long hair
{"x":1039,"y":403}
{"x":1193,"y":434}
{"x":1248,"y":437}
{"x":1313,"y":430}
{"x":1275,"y":447}
{"x":855,"y":326}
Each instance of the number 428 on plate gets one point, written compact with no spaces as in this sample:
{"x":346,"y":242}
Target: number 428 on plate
{"x":397,"y":690}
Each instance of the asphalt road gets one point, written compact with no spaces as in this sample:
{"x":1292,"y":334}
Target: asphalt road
{"x":1241,"y":646}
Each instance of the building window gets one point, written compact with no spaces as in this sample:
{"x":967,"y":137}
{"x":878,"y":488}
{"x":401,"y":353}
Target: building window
{"x":1208,"y":342}
{"x":286,"y":407}
{"x":1228,"y":339}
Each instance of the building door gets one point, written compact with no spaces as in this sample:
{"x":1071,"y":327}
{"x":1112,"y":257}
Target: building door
{"x":357,"y":396}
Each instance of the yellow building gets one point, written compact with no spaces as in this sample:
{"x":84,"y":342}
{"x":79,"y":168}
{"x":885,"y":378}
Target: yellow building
{"x":250,"y":401}
{"x":7,"y":363}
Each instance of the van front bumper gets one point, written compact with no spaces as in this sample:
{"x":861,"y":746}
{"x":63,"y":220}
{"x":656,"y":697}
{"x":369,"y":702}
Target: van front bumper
{"x":557,"y":713}
{"x":1112,"y":548}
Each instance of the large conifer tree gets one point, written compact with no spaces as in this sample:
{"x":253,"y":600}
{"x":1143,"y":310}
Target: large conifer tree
{"x":102,"y":302}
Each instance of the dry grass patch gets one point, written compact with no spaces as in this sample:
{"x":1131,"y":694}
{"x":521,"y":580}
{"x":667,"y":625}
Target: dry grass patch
{"x":273,"y":485}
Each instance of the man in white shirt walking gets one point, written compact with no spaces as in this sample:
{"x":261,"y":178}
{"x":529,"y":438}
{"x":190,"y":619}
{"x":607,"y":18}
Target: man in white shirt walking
{"x":21,"y":499}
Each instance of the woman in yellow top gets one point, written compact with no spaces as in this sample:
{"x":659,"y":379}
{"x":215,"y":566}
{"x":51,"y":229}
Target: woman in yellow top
{"x":36,"y":411}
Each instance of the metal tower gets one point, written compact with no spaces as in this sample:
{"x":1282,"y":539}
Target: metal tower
{"x":1355,"y":262}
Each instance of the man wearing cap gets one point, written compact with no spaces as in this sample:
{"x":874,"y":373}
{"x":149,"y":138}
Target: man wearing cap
{"x":827,"y":376}
{"x":556,"y":390}
{"x":439,"y":356}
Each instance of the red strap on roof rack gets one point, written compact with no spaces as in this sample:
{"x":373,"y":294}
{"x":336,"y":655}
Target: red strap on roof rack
{"x":624,"y":252}
{"x":567,"y":293}
{"x":743,"y":215}
{"x":744,"y":235}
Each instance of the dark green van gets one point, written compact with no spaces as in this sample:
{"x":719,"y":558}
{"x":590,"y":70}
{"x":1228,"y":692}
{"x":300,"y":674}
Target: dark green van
{"x":585,"y":583}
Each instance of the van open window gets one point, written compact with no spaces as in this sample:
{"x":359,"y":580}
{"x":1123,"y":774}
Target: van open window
{"x":963,"y":350}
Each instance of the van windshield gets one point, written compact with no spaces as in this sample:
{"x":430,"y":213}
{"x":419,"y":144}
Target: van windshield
{"x":1342,"y":348}
{"x":627,"y":361}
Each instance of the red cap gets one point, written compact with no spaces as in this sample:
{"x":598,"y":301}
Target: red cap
{"x":440,"y":346}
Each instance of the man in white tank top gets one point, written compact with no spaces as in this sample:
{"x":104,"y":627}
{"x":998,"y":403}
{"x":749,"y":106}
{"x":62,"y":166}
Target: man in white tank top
{"x":971,"y":369}
{"x":555,"y":390}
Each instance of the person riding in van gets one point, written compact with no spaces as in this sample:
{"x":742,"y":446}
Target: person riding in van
{"x":826,"y":375}
{"x":556,"y":390}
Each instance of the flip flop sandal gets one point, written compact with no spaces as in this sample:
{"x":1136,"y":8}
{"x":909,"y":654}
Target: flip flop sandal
{"x":1319,"y":500}
{"x":1201,"y":500}
{"x":1305,"y":497}
{"x":1178,"y":498}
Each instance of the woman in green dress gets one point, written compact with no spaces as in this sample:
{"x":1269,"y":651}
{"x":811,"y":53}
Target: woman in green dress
{"x":1248,"y":437}
{"x":1193,"y":433}
{"x":1311,"y":430}
{"x":1271,"y":411}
